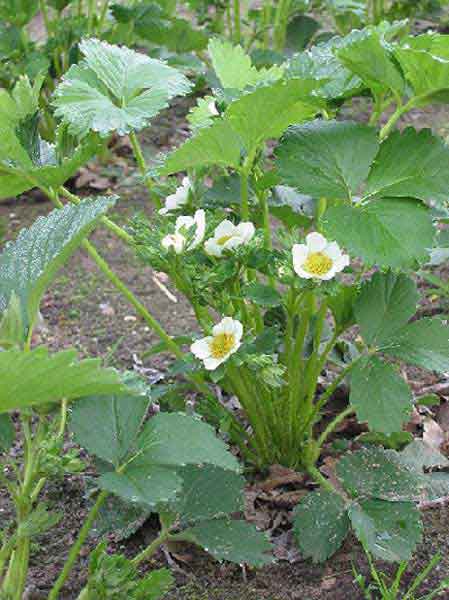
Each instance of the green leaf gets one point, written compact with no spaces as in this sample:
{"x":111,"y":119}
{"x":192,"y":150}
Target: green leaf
{"x":200,"y":115}
{"x":369,"y":57}
{"x":120,"y":518}
{"x":38,"y":521}
{"x":390,"y":232}
{"x":266,"y":112}
{"x":385,"y":304}
{"x":175,"y":439}
{"x":115,"y":89}
{"x":326,"y":158}
{"x":177,"y":35}
{"x":389,"y":530}
{"x":217,"y":144}
{"x":300,"y":32}
{"x":424,"y":343}
{"x":7,"y":432}
{"x":421,"y":456}
{"x":28,"y":264}
{"x":427,"y":74}
{"x":380,"y":396}
{"x":291,"y":207}
{"x":320,"y":525}
{"x":262,"y":295}
{"x":411,"y":164}
{"x":32,"y":378}
{"x":321,"y":63}
{"x":209,"y":492}
{"x":342,"y":304}
{"x":235,"y":541}
{"x":378,"y":473}
{"x":107,"y":426}
{"x":234,"y":69}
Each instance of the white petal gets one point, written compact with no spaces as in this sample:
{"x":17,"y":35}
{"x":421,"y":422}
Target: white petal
{"x":224,"y":229}
{"x":212,"y":248}
{"x":316,"y":242}
{"x":341,"y":263}
{"x":163,"y":211}
{"x":201,"y":348}
{"x":210,"y":364}
{"x":238,"y":333}
{"x":302,"y":273}
{"x":329,"y":275}
{"x":186,"y":183}
{"x":246,"y":231}
{"x":299,"y":253}
{"x":233,"y":242}
{"x":200,"y":221}
{"x":184,"y":222}
{"x":226,"y":325}
{"x":212,"y":108}
{"x":333,"y":250}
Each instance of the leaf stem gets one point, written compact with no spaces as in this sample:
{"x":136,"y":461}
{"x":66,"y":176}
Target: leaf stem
{"x":138,"y":155}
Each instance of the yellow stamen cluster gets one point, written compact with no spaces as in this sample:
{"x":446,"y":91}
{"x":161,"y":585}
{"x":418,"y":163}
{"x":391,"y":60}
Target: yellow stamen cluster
{"x":222,"y":241}
{"x":222,"y":344}
{"x":318,"y":263}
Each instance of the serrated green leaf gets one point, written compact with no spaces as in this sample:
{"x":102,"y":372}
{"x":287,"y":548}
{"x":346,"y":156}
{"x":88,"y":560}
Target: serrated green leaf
{"x":391,"y":232}
{"x":209,"y":492}
{"x":320,"y":525}
{"x":342,"y":304}
{"x":120,"y":518}
{"x":389,"y":530}
{"x":427,"y":74}
{"x":326,"y":158}
{"x":217,"y":144}
{"x":32,"y":378}
{"x":28,"y":264}
{"x":266,"y":112}
{"x":107,"y":426}
{"x":378,"y":473}
{"x":38,"y":521}
{"x":7,"y":432}
{"x":369,"y":57}
{"x":424,"y":343}
{"x":420,"y":456}
{"x":234,"y":68}
{"x":235,"y":541}
{"x":200,"y":115}
{"x":385,"y":304}
{"x":380,"y":396}
{"x":177,"y":35}
{"x":410,"y":164}
{"x":176,"y":439}
{"x":291,"y":207}
{"x":115,"y":89}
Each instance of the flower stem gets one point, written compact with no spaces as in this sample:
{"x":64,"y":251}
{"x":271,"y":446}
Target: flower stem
{"x":75,"y":549}
{"x":237,"y":22}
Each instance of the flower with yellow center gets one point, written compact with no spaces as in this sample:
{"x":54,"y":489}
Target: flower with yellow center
{"x":215,"y":349}
{"x":318,"y":258}
{"x":228,"y":236}
{"x":178,"y":199}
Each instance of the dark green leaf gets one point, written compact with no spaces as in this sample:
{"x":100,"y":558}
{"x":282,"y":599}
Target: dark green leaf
{"x":262,"y":295}
{"x":7,"y":432}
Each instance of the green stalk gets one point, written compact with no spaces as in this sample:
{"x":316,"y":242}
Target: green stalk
{"x":75,"y":549}
{"x":400,"y":110}
{"x":237,"y":22}
{"x":138,"y":155}
{"x":102,"y":17}
{"x":244,"y":194}
{"x":152,"y":548}
{"x":90,"y":16}
{"x":333,"y":425}
{"x":44,"y":11}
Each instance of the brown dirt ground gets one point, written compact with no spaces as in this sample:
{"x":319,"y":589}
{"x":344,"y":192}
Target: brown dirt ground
{"x":83,"y":311}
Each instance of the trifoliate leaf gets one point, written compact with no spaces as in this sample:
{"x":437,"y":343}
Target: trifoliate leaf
{"x":385,"y":304}
{"x":369,"y":57}
{"x":326,"y":158}
{"x":32,"y":378}
{"x":389,"y":530}
{"x":115,"y":89}
{"x":391,"y":232}
{"x":380,"y":396}
{"x":107,"y":426}
{"x":235,"y":541}
{"x":378,"y":473}
{"x":424,"y":343}
{"x":28,"y":264}
{"x":411,"y":164}
{"x":321,"y":524}
{"x":234,"y":69}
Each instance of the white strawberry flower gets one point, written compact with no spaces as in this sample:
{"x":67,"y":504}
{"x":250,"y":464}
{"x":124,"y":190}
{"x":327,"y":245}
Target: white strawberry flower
{"x":215,"y":349}
{"x":178,"y":199}
{"x":318,"y":258}
{"x":189,"y":233}
{"x":228,"y":236}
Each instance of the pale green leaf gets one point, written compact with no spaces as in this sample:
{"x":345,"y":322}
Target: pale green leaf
{"x":424,"y":343}
{"x":235,"y":541}
{"x":385,"y":303}
{"x":379,"y":473}
{"x":107,"y":426}
{"x":234,"y":69}
{"x":320,"y":525}
{"x":390,"y":232}
{"x":326,"y":158}
{"x":115,"y":89}
{"x":200,"y":115}
{"x":411,"y":164}
{"x":380,"y":396}
{"x":389,"y":530}
{"x":35,"y":377}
